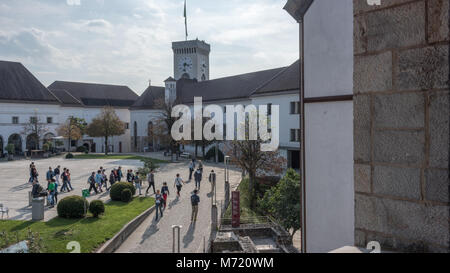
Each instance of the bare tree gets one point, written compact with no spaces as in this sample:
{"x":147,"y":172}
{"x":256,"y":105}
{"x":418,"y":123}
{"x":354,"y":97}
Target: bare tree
{"x":248,"y":156}
{"x":35,"y":128}
{"x":106,"y":124}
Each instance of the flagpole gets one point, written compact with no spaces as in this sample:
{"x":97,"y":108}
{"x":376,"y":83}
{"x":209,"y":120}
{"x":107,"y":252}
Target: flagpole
{"x":185,"y":20}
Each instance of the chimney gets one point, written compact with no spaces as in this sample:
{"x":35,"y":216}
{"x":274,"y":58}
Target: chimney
{"x":149,"y":82}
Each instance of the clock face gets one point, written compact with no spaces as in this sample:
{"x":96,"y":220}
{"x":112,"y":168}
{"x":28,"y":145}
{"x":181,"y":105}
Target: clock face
{"x":185,"y":64}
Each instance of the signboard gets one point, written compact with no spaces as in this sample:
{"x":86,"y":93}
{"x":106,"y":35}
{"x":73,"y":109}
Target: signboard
{"x":235,"y":209}
{"x":85,"y":193}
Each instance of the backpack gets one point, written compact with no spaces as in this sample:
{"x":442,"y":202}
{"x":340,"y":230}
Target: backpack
{"x":195,"y":200}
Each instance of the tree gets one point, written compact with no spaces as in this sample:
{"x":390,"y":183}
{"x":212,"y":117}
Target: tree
{"x":72,"y":129}
{"x":34,"y":127}
{"x":106,"y":124}
{"x":164,"y":125}
{"x":283,"y":202}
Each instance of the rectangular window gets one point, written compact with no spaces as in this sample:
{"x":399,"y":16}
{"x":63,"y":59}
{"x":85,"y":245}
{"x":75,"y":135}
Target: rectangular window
{"x":127,"y":126}
{"x":15,"y":120}
{"x":269,"y":109}
{"x":295,"y":108}
{"x":33,"y":119}
{"x":295,"y":135}
{"x":49,"y":120}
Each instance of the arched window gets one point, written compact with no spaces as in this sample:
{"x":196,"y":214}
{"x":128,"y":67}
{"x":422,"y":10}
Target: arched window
{"x":135,"y":134}
{"x":16,"y":140}
{"x":32,"y":142}
{"x":186,"y":76}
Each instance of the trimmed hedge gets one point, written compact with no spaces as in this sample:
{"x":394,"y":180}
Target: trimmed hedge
{"x":72,"y":207}
{"x":96,"y":208}
{"x":116,"y":190}
{"x":69,"y":156}
{"x":126,"y":195}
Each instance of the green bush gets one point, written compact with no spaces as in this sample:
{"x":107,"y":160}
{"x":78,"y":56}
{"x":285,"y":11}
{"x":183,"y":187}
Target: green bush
{"x":11,"y":149}
{"x":116,"y":190}
{"x":126,"y":195}
{"x":96,"y":208}
{"x":72,"y":207}
{"x":211,"y":155}
{"x":69,"y":156}
{"x":81,"y":149}
{"x":45,"y":147}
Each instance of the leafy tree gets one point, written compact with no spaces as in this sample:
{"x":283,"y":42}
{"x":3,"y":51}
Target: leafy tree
{"x":106,"y":125}
{"x":149,"y":166}
{"x":283,"y":202}
{"x":72,"y":129}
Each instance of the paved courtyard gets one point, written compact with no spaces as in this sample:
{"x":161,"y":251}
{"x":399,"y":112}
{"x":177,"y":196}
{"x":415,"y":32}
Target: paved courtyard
{"x":154,"y":236}
{"x":14,"y":177}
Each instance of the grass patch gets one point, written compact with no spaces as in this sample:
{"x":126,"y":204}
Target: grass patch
{"x":118,"y":157}
{"x":246,"y":211}
{"x":89,"y":232}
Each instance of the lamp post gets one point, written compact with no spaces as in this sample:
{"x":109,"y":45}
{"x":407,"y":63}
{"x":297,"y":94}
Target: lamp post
{"x":297,"y":9}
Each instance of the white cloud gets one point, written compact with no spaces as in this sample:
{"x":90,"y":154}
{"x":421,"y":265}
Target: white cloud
{"x":73,"y":2}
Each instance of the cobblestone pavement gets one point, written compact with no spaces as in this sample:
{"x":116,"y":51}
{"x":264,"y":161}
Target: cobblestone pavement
{"x":155,"y":236}
{"x":14,"y":176}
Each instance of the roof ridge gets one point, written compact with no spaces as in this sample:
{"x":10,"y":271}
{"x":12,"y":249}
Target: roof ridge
{"x":248,"y":73}
{"x":269,"y":81}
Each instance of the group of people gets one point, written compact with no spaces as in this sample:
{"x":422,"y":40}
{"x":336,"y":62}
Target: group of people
{"x":99,"y":180}
{"x":53,"y":177}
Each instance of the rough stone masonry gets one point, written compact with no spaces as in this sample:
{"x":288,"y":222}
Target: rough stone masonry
{"x":401,"y":124}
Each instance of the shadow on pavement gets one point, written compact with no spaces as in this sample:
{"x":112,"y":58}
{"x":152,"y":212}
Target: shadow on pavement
{"x":152,"y":229}
{"x":174,"y":202}
{"x":189,"y":237}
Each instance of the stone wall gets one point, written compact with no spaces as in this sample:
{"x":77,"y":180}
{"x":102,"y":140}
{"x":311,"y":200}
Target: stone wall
{"x":401,"y":111}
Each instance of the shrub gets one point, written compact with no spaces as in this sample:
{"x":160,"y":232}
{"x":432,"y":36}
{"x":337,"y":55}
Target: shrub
{"x":45,"y":147}
{"x":11,"y":149}
{"x":116,"y":190}
{"x":211,"y":155}
{"x":126,"y":195}
{"x":81,"y":149}
{"x":69,"y":156}
{"x":72,"y":207}
{"x":96,"y":208}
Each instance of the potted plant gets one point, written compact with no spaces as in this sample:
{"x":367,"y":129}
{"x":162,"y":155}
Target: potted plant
{"x":11,"y":149}
{"x":46,"y":148}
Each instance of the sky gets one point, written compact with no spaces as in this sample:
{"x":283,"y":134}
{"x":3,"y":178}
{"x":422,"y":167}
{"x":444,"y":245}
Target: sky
{"x":129,"y":42}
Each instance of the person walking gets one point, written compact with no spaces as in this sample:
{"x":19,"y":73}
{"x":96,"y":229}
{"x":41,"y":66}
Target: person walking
{"x":212,"y":180}
{"x":65,"y":180}
{"x":51,"y":193}
{"x":158,"y":203}
{"x":151,"y":181}
{"x":200,"y":166}
{"x":112,"y":178}
{"x":178,"y":184}
{"x":138,"y":183}
{"x":198,"y":178}
{"x":119,"y":174}
{"x":92,"y":183}
{"x":195,"y":199}
{"x":165,"y":192}
{"x":57,"y":173}
{"x":69,"y":180}
{"x":191,"y":168}
{"x":31,"y":172}
{"x":104,"y":179}
{"x":130,"y":176}
{"x":98,"y":180}
{"x":49,"y":175}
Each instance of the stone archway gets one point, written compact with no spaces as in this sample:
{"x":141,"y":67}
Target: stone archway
{"x":16,"y":140}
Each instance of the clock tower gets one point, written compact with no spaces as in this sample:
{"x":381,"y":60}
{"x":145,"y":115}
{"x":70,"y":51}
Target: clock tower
{"x":191,"y":60}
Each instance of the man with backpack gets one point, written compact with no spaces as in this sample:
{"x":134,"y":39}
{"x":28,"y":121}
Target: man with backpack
{"x":195,"y":199}
{"x":92,"y":184}
{"x":151,"y":181}
{"x":212,"y":180}
{"x":198,"y":178}
{"x":57,"y":172}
